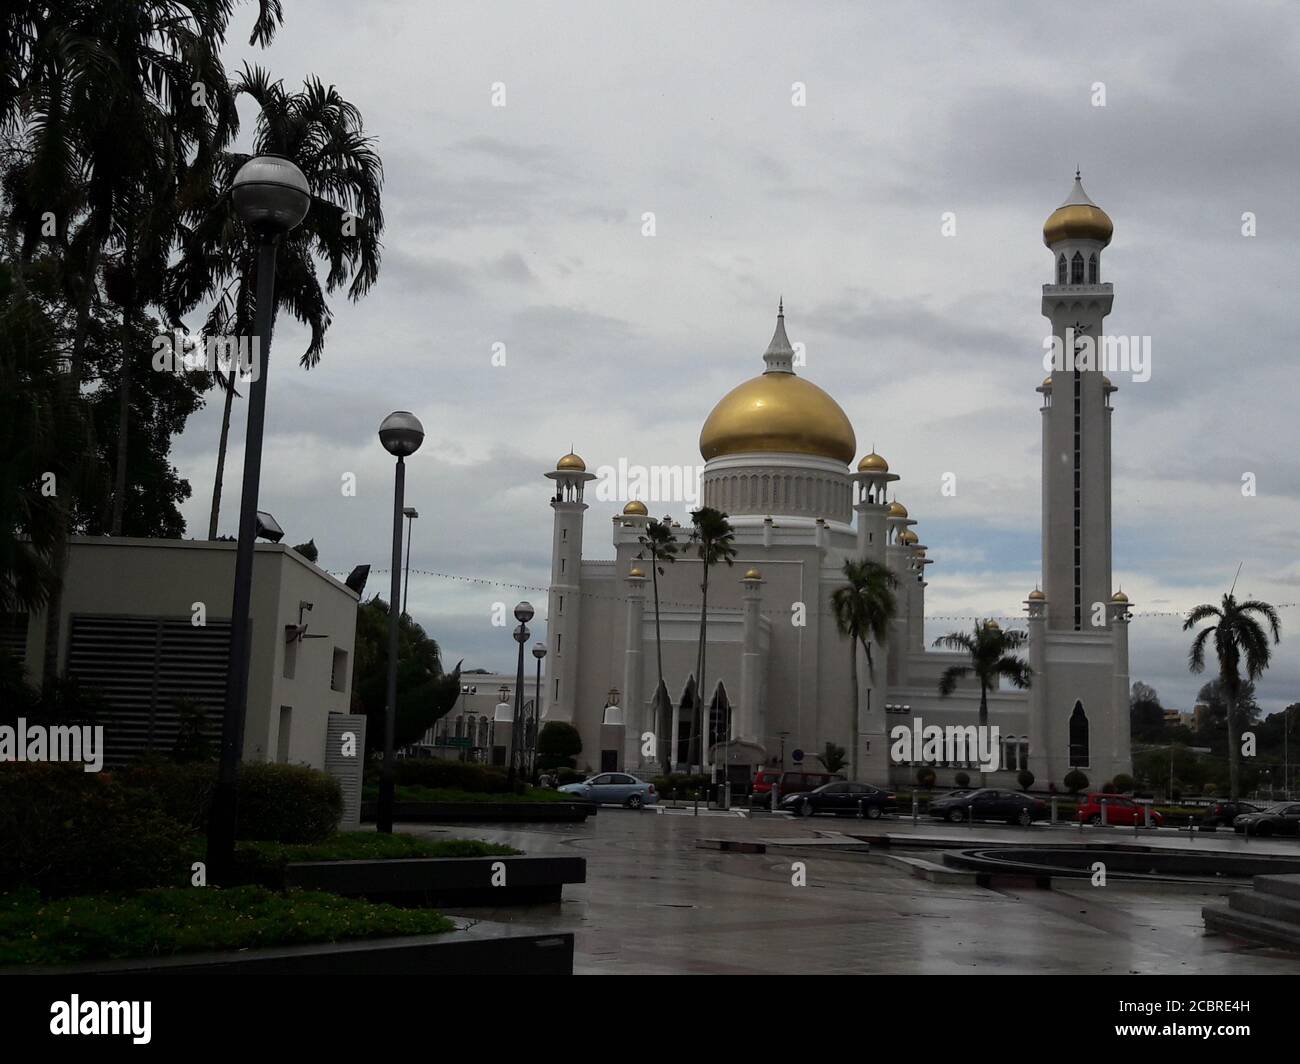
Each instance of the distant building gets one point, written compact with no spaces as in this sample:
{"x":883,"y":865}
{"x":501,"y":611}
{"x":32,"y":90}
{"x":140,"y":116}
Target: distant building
{"x":473,"y":730}
{"x":145,"y":623}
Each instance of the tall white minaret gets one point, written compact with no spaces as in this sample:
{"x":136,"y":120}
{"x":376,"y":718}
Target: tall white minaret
{"x":564,"y":602}
{"x":1076,"y":421}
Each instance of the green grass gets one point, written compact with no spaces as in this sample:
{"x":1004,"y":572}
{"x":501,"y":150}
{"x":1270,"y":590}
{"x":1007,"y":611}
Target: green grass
{"x":413,"y":793}
{"x":191,"y":919}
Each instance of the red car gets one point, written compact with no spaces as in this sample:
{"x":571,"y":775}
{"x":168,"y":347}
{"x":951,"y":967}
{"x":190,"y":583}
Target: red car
{"x":763,"y":780}
{"x":1121,"y":811}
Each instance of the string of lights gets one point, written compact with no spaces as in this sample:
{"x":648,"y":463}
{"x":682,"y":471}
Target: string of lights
{"x":545,"y":589}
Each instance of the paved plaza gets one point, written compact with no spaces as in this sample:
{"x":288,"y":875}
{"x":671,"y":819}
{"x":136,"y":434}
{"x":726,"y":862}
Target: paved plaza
{"x":655,"y":903}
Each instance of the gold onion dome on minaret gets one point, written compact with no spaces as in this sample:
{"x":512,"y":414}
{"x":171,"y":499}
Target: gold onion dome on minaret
{"x":1078,"y":218}
{"x":896,"y":509}
{"x":635,"y":508}
{"x":908,"y":537}
{"x":778,"y":412}
{"x":873,"y":463}
{"x":572,"y":462}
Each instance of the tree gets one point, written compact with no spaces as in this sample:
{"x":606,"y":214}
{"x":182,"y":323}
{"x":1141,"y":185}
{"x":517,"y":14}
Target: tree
{"x":1238,"y":638}
{"x":992,"y":654}
{"x":1025,"y":778}
{"x":712,"y":535}
{"x":833,"y":757}
{"x":864,"y":608}
{"x":1146,"y":714}
{"x":660,"y":544}
{"x":425,"y":693}
{"x":558,"y":744}
{"x":324,"y":135}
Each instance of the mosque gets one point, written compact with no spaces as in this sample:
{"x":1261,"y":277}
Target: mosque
{"x":779,"y":457}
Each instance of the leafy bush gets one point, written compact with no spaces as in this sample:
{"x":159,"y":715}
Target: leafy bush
{"x":558,"y":744}
{"x":1123,"y":783}
{"x":962,"y":779}
{"x":277,"y":803}
{"x":66,"y":831}
{"x":457,"y":775}
{"x":681,"y":785}
{"x":925,"y":776}
{"x":1075,"y":781}
{"x":1025,"y":778}
{"x":1108,"y":787}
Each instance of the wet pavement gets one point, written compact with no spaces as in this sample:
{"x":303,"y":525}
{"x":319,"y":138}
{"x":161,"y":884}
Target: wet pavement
{"x":655,"y":903}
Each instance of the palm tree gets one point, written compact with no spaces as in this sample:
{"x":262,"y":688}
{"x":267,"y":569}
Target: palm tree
{"x":1237,"y":635}
{"x":992,"y":658}
{"x":659,"y":543}
{"x":712,"y":535}
{"x":324,"y":135}
{"x":863,"y":609}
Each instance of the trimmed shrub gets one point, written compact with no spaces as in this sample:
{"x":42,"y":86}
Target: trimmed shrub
{"x":1025,"y":778}
{"x":65,"y":831}
{"x":454,"y":775}
{"x":925,"y":776}
{"x":1108,"y":787}
{"x":681,"y":785}
{"x":558,"y":744}
{"x":962,"y":779}
{"x":1075,"y":781}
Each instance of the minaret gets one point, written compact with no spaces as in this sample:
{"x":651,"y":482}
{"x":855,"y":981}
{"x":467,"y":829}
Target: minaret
{"x":564,"y":603}
{"x":870,"y":483}
{"x":1076,"y":420}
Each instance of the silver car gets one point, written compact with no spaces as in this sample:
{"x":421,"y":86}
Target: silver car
{"x":614,"y":788}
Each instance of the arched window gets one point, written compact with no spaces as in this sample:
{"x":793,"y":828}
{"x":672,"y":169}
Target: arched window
{"x":1076,"y":268}
{"x":719,"y":715}
{"x":460,"y":726}
{"x":1060,"y":270}
{"x":1078,"y":737}
{"x":484,"y":732}
{"x":1093,"y":273}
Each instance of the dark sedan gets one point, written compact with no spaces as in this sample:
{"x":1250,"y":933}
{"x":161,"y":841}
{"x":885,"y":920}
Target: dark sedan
{"x":1226,"y":812}
{"x":990,"y":804}
{"x":842,"y":799}
{"x":1280,"y":819}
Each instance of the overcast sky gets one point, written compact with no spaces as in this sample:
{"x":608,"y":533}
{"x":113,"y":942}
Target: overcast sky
{"x":522,"y":225}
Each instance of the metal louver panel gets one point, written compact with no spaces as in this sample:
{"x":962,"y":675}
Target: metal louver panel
{"x":140,"y":667}
{"x":347,"y":770}
{"x":13,"y":635}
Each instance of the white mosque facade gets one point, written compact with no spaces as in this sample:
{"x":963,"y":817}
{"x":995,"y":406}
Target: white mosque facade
{"x":779,"y":461}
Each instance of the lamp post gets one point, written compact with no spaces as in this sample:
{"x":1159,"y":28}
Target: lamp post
{"x":539,"y":652}
{"x":410,"y":513}
{"x":523,"y":614}
{"x":401,"y":434}
{"x":270,"y":195}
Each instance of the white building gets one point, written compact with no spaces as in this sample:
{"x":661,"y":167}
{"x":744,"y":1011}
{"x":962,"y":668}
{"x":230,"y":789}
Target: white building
{"x":779,"y":455}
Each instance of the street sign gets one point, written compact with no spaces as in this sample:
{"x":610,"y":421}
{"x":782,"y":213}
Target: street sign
{"x":458,"y":740}
{"x":797,"y":756}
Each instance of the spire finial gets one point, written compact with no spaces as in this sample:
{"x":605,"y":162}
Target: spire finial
{"x":780,"y":307}
{"x":1078,"y":176}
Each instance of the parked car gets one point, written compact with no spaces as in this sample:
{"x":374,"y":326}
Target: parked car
{"x":1226,"y":812}
{"x":987,"y":803}
{"x":800,"y":781}
{"x":842,"y":799}
{"x":1120,"y":811}
{"x":762,"y":787}
{"x":1280,"y":819}
{"x":614,"y":788}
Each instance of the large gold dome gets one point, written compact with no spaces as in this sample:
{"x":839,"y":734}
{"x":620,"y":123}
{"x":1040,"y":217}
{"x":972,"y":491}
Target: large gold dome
{"x":1078,"y":218}
{"x":778,"y":413}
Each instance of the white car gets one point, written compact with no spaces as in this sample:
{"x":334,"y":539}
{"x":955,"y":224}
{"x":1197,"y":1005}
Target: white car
{"x":615,"y":788}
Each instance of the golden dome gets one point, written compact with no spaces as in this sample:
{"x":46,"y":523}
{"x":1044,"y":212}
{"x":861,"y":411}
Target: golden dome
{"x":778,"y":412}
{"x":908,"y":536}
{"x":573,"y":462}
{"x":753,"y":574}
{"x":635,"y":572}
{"x":896,"y":509}
{"x":1078,"y":218}
{"x":636,"y":508}
{"x":1037,"y":596}
{"x":1119,"y":596}
{"x":873,"y":463}
{"x":1047,"y":381}
{"x":993,"y":624}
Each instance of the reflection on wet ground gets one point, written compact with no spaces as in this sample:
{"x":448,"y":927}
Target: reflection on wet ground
{"x":654,"y":903}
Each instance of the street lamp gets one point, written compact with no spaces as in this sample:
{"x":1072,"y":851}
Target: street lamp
{"x":410,"y":513}
{"x":523,"y":614}
{"x":401,"y":434}
{"x":539,"y":652}
{"x":270,"y":195}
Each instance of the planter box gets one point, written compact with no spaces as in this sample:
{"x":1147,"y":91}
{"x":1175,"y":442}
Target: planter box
{"x":476,"y":812}
{"x":442,"y":881}
{"x":482,"y":949}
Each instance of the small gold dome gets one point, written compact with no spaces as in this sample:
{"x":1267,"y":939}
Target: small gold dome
{"x":1119,"y":596}
{"x":1078,"y":218}
{"x":636,"y":508}
{"x":778,"y":413}
{"x":635,"y":572}
{"x":990,"y":623}
{"x":1037,"y":596}
{"x":896,"y":509}
{"x":571,"y":462}
{"x":873,"y":463}
{"x":753,"y":574}
{"x":1047,"y":381}
{"x":908,"y":536}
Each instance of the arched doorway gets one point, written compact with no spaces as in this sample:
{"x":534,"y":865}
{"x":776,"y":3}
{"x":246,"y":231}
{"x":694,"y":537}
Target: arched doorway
{"x":685,"y":720}
{"x":1078,"y":737}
